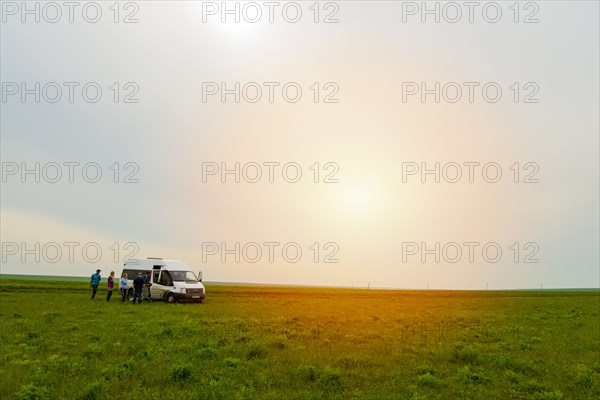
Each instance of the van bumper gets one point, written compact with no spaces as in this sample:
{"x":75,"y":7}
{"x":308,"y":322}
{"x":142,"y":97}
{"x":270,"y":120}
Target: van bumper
{"x":199,"y":297}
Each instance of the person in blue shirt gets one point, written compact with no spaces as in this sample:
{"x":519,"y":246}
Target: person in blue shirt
{"x":94,"y":282}
{"x":124,"y":285}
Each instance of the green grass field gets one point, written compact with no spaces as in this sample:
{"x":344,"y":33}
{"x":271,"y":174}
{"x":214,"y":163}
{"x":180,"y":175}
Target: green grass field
{"x":268,"y":342}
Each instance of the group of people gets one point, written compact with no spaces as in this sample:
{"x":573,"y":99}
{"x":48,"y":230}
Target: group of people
{"x":141,"y":283}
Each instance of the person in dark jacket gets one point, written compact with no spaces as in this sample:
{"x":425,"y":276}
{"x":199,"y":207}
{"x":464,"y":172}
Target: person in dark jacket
{"x":94,"y":282}
{"x":138,"y":286}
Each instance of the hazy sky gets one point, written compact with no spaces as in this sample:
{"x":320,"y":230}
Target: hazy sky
{"x":367,"y":114}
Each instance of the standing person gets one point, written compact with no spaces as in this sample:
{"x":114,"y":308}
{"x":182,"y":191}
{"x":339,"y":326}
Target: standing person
{"x":147,"y":284}
{"x":123,"y":286}
{"x":110,"y":285}
{"x":94,"y":282}
{"x":138,"y":286}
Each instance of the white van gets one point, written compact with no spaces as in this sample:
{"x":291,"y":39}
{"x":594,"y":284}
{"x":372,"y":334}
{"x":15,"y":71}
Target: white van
{"x":172,"y":280}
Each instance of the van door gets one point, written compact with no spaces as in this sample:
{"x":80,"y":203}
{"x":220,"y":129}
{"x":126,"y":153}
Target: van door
{"x":158,"y":290}
{"x":163,"y":284}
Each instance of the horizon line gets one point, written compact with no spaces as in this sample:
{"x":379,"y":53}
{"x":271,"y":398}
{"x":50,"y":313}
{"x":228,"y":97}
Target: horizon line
{"x":57,"y":277}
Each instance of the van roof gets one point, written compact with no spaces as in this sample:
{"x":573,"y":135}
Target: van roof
{"x":137,"y":260}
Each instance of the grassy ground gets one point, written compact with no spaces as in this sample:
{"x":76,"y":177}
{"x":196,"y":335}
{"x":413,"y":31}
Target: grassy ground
{"x":252,"y":342}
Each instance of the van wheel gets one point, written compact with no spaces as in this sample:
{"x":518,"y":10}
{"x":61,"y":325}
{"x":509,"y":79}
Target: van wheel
{"x":170,"y":298}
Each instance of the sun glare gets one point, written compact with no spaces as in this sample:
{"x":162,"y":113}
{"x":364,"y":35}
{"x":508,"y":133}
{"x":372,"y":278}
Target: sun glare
{"x":358,"y":198}
{"x":235,"y":19}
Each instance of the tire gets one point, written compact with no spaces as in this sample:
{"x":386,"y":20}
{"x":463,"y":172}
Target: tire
{"x":130,"y":294}
{"x":171,"y":298}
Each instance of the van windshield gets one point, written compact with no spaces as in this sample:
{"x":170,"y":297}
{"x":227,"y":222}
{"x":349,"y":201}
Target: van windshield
{"x":184,"y":276}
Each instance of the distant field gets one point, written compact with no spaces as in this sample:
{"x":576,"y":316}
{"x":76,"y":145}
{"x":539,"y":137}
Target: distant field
{"x":44,"y":277}
{"x":269,"y":342}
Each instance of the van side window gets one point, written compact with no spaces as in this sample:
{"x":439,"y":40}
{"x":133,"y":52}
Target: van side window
{"x":131,"y":274}
{"x":165,"y":279}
